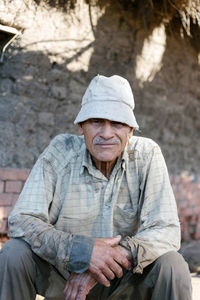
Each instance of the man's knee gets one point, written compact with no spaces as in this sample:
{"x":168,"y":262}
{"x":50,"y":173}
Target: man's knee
{"x":172,"y":264}
{"x":15,"y":253}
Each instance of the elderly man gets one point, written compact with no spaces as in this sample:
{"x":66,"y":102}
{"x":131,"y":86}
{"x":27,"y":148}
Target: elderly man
{"x":97,"y":214}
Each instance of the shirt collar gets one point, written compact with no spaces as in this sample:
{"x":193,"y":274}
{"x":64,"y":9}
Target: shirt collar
{"x":86,"y":161}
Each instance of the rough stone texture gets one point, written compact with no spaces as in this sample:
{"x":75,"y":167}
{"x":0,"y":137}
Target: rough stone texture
{"x":48,"y":67}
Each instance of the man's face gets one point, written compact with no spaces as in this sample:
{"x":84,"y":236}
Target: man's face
{"x":105,"y":139}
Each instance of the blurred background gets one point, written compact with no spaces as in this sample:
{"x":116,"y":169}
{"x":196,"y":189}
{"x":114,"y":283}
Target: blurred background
{"x":51,"y":49}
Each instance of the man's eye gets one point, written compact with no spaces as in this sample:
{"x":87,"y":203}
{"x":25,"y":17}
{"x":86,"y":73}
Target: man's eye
{"x":118,"y":124}
{"x":97,"y":121}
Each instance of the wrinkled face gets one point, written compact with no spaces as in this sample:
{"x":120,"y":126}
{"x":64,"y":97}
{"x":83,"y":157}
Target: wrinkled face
{"x":105,"y":139}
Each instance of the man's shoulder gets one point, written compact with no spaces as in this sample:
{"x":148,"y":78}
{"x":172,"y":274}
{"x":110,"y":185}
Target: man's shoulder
{"x":63,"y":148}
{"x":67,"y":142}
{"x":142,"y":145}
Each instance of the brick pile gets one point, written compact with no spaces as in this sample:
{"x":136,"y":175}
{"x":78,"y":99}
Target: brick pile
{"x":186,"y":189}
{"x":187,"y":192}
{"x":11,"y":184}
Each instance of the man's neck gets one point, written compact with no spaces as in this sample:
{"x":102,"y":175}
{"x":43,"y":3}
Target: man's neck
{"x":105,"y":167}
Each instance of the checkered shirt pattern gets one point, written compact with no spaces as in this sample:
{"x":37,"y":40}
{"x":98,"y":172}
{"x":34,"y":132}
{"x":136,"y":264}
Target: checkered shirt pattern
{"x":66,"y":203}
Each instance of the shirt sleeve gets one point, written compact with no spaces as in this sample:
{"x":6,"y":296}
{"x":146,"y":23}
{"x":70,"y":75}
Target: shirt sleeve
{"x":159,"y":227}
{"x":30,"y":220}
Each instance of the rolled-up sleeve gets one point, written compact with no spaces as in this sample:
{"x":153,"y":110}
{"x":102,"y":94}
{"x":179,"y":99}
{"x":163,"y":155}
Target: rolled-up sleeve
{"x":159,"y":227}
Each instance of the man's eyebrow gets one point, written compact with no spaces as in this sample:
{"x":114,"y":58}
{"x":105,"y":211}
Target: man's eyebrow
{"x":117,"y":122}
{"x":99,"y":119}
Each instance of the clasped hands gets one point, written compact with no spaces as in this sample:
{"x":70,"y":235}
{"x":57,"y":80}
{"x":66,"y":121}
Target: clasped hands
{"x":107,"y":261}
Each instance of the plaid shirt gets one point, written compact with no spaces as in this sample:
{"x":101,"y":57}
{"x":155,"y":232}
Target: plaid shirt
{"x":66,"y":203}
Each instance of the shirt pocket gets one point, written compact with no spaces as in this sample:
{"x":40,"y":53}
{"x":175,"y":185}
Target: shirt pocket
{"x":125,"y":221}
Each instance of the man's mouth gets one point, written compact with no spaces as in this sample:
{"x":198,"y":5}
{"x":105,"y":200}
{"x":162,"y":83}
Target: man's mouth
{"x":106,"y":146}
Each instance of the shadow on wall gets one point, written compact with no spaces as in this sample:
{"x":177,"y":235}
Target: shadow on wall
{"x":40,"y":98}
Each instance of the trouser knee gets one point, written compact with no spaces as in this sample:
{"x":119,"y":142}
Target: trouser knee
{"x":172,"y":264}
{"x":16,"y":255}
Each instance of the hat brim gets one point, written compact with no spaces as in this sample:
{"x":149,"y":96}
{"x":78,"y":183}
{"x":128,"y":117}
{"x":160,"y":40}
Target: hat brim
{"x":109,"y":110}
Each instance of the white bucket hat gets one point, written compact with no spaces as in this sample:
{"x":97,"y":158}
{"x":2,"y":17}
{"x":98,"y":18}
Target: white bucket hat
{"x":108,"y":98}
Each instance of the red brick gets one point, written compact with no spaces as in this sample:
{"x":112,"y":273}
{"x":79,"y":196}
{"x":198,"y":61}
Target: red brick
{"x":181,"y":218}
{"x":182,"y":204}
{"x":6,"y":199}
{"x":5,"y":211}
{"x":197,"y":198}
{"x":14,"y":174}
{"x":185,"y":235}
{"x":198,"y":226}
{"x":1,"y":186}
{"x":194,"y":219}
{"x":15,"y":198}
{"x":3,"y":226}
{"x":197,"y":235}
{"x":13,"y":186}
{"x":187,"y":211}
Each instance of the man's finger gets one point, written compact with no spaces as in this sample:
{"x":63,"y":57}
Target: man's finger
{"x":70,"y":290}
{"x":108,"y":271}
{"x":82,"y":294}
{"x":101,"y":278}
{"x":113,"y":241}
{"x":116,"y":269}
{"x":122,"y":260}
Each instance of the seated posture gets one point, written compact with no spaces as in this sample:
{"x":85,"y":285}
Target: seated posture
{"x":97,"y":218}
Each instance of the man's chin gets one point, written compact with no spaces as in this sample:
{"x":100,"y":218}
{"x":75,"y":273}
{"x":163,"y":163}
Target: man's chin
{"x":106,"y":158}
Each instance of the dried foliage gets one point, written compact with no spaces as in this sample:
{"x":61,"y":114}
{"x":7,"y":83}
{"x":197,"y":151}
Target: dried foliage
{"x":188,"y":11}
{"x":66,"y":5}
{"x":149,"y":12}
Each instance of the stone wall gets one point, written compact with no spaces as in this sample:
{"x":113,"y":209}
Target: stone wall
{"x":48,"y":67}
{"x":186,"y":190}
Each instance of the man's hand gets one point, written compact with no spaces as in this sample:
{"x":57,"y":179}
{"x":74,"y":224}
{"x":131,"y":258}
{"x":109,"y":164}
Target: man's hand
{"x":108,"y":259}
{"x":78,"y":286}
{"x":125,"y":252}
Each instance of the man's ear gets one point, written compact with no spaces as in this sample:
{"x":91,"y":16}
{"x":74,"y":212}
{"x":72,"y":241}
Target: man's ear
{"x":130,"y":132}
{"x":80,"y":129}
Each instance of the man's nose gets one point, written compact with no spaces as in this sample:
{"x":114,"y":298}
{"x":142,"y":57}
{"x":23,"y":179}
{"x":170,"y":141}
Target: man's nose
{"x":107,"y":131}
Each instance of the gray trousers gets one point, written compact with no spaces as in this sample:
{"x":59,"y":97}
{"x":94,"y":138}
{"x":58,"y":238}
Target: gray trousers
{"x":23,"y":275}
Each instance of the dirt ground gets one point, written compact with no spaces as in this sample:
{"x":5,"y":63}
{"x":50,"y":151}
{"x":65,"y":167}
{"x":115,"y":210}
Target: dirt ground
{"x":195,"y":285}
